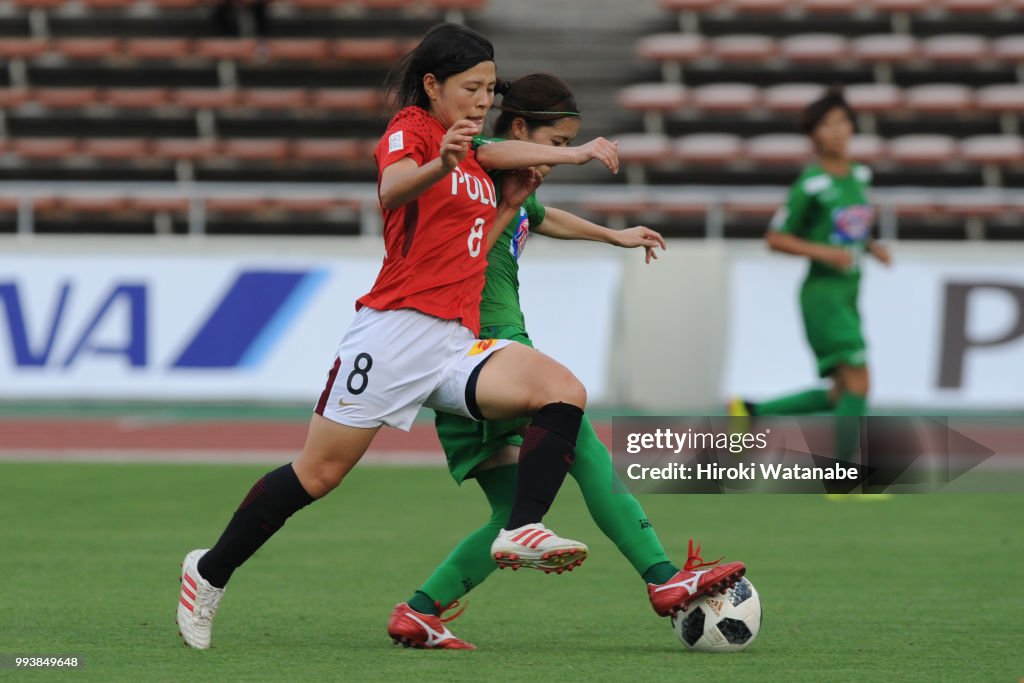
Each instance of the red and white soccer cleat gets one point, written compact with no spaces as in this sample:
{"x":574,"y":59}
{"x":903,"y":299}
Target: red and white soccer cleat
{"x":197,"y":603}
{"x":413,"y":629}
{"x":691,"y":582}
{"x":537,"y":547}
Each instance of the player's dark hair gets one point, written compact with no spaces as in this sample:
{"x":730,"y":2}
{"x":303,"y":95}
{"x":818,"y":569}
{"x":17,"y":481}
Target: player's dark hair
{"x":538,"y":99}
{"x":446,"y":50}
{"x":815,"y":111}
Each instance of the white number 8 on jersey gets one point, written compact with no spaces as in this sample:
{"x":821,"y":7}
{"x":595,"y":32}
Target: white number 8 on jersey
{"x":476,"y":237}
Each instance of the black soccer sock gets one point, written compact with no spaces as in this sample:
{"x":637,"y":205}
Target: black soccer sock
{"x":544,"y":458}
{"x":271,"y":501}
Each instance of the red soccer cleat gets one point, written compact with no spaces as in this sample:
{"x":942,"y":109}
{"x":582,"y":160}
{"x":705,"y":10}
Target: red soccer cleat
{"x":687,"y":585}
{"x":413,"y":629}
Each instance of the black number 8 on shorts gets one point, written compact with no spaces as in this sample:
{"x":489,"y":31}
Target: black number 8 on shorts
{"x":361,"y":366}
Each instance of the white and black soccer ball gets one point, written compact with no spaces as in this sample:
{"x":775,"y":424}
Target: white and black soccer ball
{"x":721,"y":623}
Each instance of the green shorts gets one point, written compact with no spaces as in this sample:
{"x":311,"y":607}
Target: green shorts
{"x":832,"y":323}
{"x":466,"y":442}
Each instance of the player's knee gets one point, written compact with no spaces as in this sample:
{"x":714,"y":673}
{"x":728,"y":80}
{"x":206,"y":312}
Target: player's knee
{"x":561,"y":387}
{"x":320,"y":478}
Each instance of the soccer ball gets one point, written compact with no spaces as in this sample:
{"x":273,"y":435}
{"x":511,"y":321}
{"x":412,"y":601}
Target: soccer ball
{"x":721,"y":623}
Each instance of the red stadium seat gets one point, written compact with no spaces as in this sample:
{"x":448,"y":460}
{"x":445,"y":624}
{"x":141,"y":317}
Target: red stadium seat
{"x":87,"y":48}
{"x":657,"y":97}
{"x":299,"y":49}
{"x":93,"y":202}
{"x":688,"y":5}
{"x":993,"y":149}
{"x":980,"y":204}
{"x":383,"y":50}
{"x":814,"y":47}
{"x":682,"y":203}
{"x":617,"y":203}
{"x":867,"y":149}
{"x":44,"y":148}
{"x":386,"y":4}
{"x":66,"y":98}
{"x":257,"y":149}
{"x":116,"y":148}
{"x":901,"y":5}
{"x":725,"y":97}
{"x":179,"y":4}
{"x":927,"y":149}
{"x":157,"y":48}
{"x":672,"y":47}
{"x":107,"y":4}
{"x":830,"y":6}
{"x":137,"y":98}
{"x":1000,"y":98}
{"x":954,"y":48}
{"x":38,"y":4}
{"x":743,"y":48}
{"x":642,"y":148}
{"x":972,"y":6}
{"x":1009,"y":48}
{"x":333,"y":150}
{"x":884,"y":48}
{"x":225,"y":48}
{"x":709,"y":148}
{"x":760,"y":6}
{"x":309,"y":204}
{"x":942,"y":98}
{"x":873,"y":97}
{"x":464,"y":5}
{"x":317,"y":4}
{"x":206,"y":98}
{"x":790,"y":98}
{"x":348,"y":99}
{"x":190,"y":149}
{"x":275,"y":98}
{"x":787,"y":149}
{"x":910,"y":203}
{"x":13,"y":48}
{"x":159,"y":203}
{"x":13,"y":97}
{"x":237,"y":204}
{"x":754,"y":204}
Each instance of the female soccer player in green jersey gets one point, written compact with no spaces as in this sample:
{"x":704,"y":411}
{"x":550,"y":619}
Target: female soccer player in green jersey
{"x":540,"y":109}
{"x":827,"y":219}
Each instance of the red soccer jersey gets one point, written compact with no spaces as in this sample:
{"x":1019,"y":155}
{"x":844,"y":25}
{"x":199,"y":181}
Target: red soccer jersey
{"x":435,"y":255}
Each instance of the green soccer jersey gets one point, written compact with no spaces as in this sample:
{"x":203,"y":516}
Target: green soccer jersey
{"x":500,"y":303}
{"x":832,"y":210}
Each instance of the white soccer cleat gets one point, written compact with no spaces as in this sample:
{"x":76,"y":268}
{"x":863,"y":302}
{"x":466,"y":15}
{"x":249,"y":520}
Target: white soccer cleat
{"x":197,"y":603}
{"x":536,"y":547}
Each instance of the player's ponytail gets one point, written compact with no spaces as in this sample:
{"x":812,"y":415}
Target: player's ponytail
{"x":446,"y":50}
{"x":538,"y":99}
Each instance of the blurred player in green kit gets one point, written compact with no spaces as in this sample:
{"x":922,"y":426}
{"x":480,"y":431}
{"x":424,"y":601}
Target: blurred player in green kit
{"x":828,"y":220}
{"x":539,"y":115}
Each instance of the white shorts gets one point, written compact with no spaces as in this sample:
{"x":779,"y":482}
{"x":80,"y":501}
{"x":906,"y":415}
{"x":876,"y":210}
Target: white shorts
{"x":391,"y":363}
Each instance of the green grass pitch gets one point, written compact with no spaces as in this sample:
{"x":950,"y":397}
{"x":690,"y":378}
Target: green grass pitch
{"x":916,"y":588}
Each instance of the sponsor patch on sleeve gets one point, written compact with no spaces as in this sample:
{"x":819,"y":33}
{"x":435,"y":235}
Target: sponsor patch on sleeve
{"x":396,"y":142}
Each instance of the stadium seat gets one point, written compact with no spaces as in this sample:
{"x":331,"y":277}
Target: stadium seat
{"x":333,"y":150}
{"x":124,"y":149}
{"x":725,"y":97}
{"x":14,"y":48}
{"x":906,"y":6}
{"x":308,"y":204}
{"x":939,"y":98}
{"x":66,"y":98}
{"x":205,"y":98}
{"x":347,"y":99}
{"x":461,"y":5}
{"x":926,"y":149}
{"x":640,"y":148}
{"x":257,"y":149}
{"x":658,"y":97}
{"x":44,"y":149}
{"x":159,"y":203}
{"x":971,"y":6}
{"x":814,"y":47}
{"x":137,"y":98}
{"x":1000,"y":98}
{"x":867,"y":149}
{"x":92,"y":202}
{"x":790,"y":98}
{"x":87,"y":48}
{"x":225,"y":48}
{"x":298,"y":49}
{"x":909,"y":203}
{"x":157,"y":48}
{"x":275,"y":98}
{"x":993,"y":149}
{"x":830,"y":6}
{"x":981,"y":204}
{"x":884,"y":48}
{"x":383,"y":50}
{"x":708,"y":148}
{"x":617,"y":204}
{"x":672,"y":50}
{"x":13,"y":97}
{"x":1009,"y":48}
{"x":38,"y":4}
{"x":743,"y":48}
{"x":317,"y":4}
{"x":760,"y":6}
{"x":954,"y":48}
{"x":386,"y":4}
{"x":688,"y":5}
{"x":786,"y":149}
{"x":873,"y":98}
{"x":236,"y":204}
{"x":190,"y":149}
{"x":682,"y":203}
{"x":761,"y":204}
{"x":107,"y":4}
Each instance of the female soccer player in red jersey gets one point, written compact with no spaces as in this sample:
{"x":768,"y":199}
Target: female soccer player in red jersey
{"x":413,"y":341}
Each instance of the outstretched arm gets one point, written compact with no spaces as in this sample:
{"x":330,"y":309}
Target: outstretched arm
{"x":405,"y":180}
{"x":519,"y":154}
{"x":563,"y":225}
